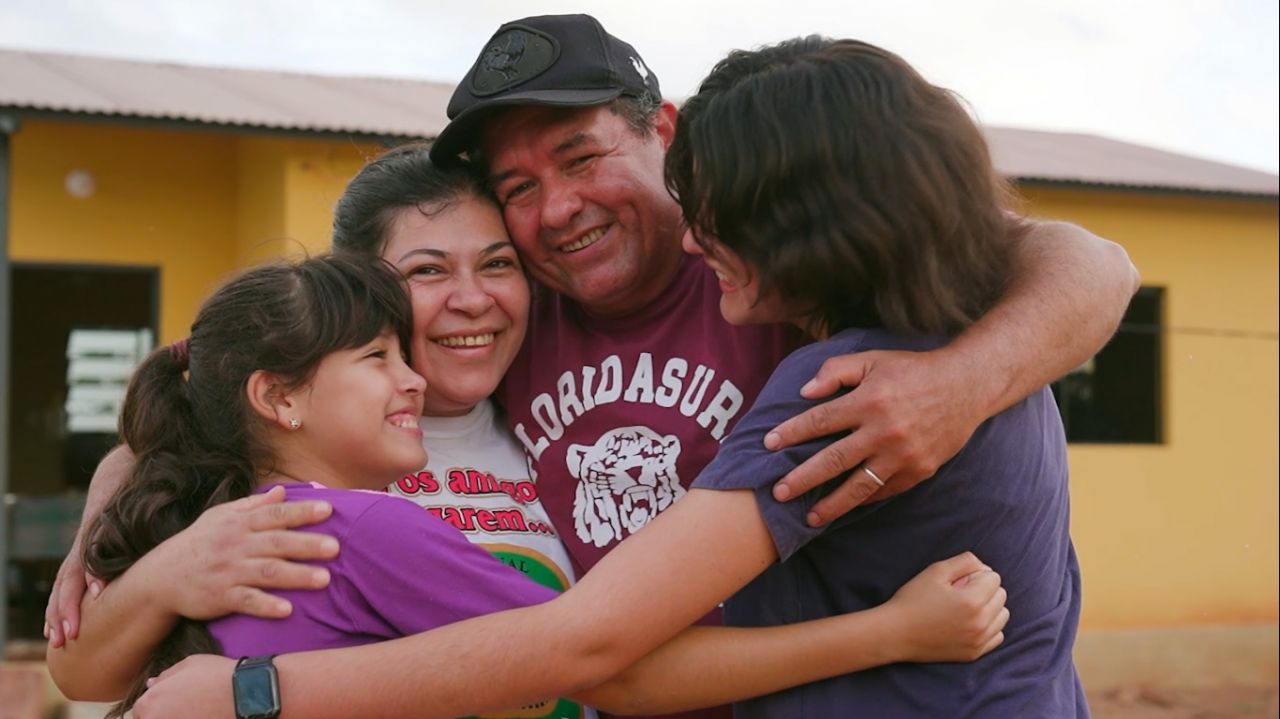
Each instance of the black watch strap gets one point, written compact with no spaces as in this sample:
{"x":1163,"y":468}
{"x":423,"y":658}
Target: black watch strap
{"x":256,"y":687}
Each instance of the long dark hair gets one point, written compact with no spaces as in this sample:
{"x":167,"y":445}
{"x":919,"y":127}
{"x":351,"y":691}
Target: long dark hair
{"x":399,"y":178}
{"x":187,"y":419}
{"x":853,"y":187}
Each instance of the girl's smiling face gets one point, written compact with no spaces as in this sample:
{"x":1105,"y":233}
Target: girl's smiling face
{"x":470,"y":298}
{"x":359,"y":417}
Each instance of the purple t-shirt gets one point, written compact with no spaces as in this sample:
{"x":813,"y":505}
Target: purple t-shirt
{"x":618,"y":415}
{"x":1004,"y":497}
{"x":401,"y":571}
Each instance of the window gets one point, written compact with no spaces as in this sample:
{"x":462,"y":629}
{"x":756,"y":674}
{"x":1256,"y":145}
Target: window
{"x":58,"y":313}
{"x":1114,"y":398}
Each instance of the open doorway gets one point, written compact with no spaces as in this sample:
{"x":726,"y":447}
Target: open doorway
{"x":52,"y":452}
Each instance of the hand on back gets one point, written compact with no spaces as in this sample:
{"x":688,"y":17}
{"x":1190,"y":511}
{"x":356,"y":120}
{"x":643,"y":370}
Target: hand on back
{"x":222,"y":563}
{"x":907,"y":414}
{"x":219,"y":565}
{"x":953,"y":611}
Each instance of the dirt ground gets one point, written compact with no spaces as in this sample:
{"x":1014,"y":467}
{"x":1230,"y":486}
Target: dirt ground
{"x":1148,"y":701}
{"x":1154,"y":702}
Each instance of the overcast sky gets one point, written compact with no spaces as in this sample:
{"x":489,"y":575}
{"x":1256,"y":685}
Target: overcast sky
{"x":1199,"y":77}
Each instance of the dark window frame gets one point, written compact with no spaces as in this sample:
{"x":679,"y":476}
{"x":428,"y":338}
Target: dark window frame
{"x":1118,"y":396}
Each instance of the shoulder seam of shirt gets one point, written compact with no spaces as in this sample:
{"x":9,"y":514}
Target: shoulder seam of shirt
{"x":340,"y":594}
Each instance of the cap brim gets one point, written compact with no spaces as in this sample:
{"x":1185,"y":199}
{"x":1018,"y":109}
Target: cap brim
{"x":460,"y":134}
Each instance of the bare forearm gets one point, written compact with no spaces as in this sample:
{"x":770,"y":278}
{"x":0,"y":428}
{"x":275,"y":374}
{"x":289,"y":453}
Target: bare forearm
{"x":119,"y":630}
{"x":1068,"y":295}
{"x":704,"y":666}
{"x":461,"y":669}
{"x":116,"y":629}
{"x":599,"y":627}
{"x":709,"y":666}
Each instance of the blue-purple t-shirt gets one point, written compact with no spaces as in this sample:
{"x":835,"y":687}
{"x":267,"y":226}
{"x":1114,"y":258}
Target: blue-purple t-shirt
{"x":401,"y":571}
{"x":1003,"y":497}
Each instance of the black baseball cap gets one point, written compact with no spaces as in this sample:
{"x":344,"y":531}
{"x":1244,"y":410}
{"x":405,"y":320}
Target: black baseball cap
{"x":554,"y":60}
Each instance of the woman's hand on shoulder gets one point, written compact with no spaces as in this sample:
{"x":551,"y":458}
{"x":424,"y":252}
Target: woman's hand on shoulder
{"x":62,"y":615}
{"x":953,"y":611}
{"x":222,"y":563}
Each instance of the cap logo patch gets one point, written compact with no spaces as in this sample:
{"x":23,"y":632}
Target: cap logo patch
{"x":641,"y":70}
{"x":514,"y":56}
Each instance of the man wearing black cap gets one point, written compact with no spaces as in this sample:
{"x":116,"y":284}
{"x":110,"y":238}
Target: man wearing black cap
{"x":630,"y":377}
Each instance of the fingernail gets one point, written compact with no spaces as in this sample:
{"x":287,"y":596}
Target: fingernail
{"x":329,"y":545}
{"x":320,"y":577}
{"x":46,"y":630}
{"x":151,"y":682}
{"x":813,"y":519}
{"x":781,"y":492}
{"x":284,"y":607}
{"x":809,"y":386}
{"x":323,"y":510}
{"x":95,"y":589}
{"x":66,"y":628}
{"x":772,"y":440}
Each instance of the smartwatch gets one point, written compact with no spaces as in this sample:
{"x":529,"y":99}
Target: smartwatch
{"x":257,"y":688}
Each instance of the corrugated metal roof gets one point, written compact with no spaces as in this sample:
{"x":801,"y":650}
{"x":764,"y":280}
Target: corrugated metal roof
{"x":1061,"y":157}
{"x":404,"y":108}
{"x":73,"y":83}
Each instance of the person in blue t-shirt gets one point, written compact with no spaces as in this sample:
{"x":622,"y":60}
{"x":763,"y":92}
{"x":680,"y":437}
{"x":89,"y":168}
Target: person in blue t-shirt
{"x":830,"y":185}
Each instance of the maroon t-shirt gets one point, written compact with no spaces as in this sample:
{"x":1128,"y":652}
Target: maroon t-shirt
{"x":618,"y":416}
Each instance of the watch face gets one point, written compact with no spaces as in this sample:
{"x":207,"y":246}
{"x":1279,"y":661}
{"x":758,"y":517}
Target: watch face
{"x":256,"y":696}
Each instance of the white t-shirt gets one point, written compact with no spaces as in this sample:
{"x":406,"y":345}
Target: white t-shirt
{"x":477,"y":480}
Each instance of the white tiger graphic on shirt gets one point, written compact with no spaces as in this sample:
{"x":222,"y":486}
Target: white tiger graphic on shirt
{"x":624,"y":480}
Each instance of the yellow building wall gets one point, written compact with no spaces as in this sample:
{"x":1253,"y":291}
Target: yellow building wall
{"x":315,"y":182}
{"x":162,"y":198}
{"x":286,"y":192}
{"x":1185,"y":532}
{"x":197,"y":204}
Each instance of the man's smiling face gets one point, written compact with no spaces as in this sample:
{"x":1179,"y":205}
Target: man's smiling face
{"x":583,"y":197}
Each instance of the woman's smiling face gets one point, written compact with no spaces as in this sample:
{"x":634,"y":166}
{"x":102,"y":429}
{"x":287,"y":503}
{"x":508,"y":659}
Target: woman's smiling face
{"x":470,"y":298}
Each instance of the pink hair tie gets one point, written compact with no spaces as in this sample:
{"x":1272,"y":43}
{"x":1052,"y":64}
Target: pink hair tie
{"x":181,"y":352}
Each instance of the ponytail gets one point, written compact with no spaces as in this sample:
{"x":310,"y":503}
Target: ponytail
{"x":168,"y":489}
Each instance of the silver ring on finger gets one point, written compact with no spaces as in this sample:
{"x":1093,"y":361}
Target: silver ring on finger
{"x":875,"y":477}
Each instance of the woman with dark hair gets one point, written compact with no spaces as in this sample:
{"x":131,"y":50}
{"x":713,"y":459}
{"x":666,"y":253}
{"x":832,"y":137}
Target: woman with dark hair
{"x":799,"y":166}
{"x":260,"y":405}
{"x":470,"y":298}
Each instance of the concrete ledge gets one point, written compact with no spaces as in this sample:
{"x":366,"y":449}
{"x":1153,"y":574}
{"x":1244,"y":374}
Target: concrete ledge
{"x":1180,"y":657}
